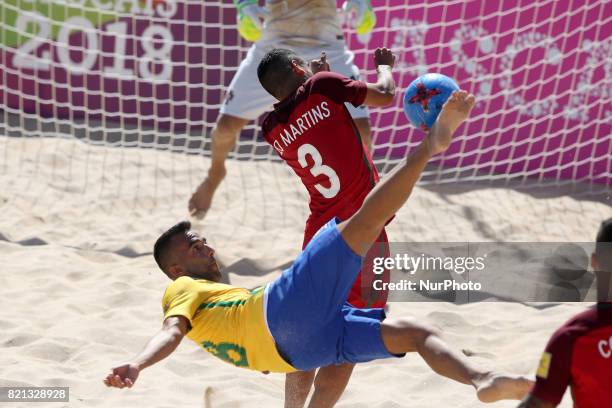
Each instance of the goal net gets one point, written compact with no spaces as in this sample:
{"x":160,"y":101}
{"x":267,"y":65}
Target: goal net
{"x":152,"y":74}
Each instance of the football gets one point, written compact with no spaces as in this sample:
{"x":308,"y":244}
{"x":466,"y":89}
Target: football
{"x":424,"y":98}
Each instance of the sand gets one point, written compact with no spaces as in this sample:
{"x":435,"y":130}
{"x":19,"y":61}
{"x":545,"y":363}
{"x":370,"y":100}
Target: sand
{"x":80,"y":291}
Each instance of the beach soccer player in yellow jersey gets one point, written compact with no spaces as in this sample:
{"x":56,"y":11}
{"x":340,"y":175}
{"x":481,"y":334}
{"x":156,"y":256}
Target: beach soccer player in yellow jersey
{"x":306,"y":26}
{"x":300,"y":320}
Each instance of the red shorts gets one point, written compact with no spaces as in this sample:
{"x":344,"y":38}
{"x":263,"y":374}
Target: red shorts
{"x":362,"y":294}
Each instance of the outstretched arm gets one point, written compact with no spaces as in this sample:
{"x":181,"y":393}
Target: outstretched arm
{"x":159,"y":347}
{"x":361,"y":230}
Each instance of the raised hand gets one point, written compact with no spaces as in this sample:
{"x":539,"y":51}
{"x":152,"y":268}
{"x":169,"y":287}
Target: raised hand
{"x":319,"y":65}
{"x":384,"y":56}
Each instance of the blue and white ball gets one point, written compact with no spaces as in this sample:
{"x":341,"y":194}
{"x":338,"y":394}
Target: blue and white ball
{"x":424,"y":98}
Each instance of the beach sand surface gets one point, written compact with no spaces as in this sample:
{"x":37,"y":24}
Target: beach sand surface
{"x":80,"y":292}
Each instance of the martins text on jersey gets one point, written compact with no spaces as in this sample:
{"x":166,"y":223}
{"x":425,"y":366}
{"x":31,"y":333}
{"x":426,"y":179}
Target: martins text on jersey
{"x":298,"y":126}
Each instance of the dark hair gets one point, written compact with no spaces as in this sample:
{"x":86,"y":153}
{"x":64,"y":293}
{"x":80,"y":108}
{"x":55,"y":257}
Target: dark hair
{"x":603,"y":248}
{"x":160,"y":249}
{"x":275,"y":68}
{"x":605,"y":231}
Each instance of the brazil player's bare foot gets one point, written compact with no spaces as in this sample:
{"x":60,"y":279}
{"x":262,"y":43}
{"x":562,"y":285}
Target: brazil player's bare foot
{"x":493,"y":387}
{"x":200,"y":201}
{"x":456,"y":109}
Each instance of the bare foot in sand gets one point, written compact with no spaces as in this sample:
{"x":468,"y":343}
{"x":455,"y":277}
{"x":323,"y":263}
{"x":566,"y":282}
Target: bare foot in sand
{"x":494,"y":387}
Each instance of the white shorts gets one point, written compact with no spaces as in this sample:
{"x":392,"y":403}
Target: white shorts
{"x":246,"y":98}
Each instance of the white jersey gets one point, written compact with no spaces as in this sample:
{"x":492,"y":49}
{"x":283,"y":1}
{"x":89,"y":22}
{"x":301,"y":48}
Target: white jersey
{"x":302,"y":23}
{"x":306,"y":26}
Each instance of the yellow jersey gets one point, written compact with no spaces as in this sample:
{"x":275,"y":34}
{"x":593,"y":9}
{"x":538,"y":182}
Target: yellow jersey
{"x":227,"y":321}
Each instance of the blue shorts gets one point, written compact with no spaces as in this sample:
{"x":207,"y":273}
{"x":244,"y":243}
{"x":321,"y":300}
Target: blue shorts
{"x":306,"y":310}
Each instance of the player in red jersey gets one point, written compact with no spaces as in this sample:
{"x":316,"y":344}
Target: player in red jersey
{"x":579,"y":354}
{"x":312,"y":130}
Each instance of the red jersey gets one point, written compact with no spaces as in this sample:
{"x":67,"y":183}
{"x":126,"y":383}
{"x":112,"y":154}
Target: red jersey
{"x":314,"y":133}
{"x":579,"y":354}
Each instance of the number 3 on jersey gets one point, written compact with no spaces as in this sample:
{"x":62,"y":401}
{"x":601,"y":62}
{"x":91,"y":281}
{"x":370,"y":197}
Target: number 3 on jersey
{"x":319,"y":169}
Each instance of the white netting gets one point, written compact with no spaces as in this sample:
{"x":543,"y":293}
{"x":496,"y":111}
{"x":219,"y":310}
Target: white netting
{"x":101,"y":147}
{"x":152,"y":74}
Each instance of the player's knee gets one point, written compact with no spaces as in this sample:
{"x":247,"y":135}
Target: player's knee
{"x":426,"y":330}
{"x":299,"y":382}
{"x":411,"y":331}
{"x":421,"y":329}
{"x":297,"y":388}
{"x":227,"y":127}
{"x":326,"y":387}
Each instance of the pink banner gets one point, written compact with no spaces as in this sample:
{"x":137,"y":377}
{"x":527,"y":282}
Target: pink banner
{"x":543,"y":83}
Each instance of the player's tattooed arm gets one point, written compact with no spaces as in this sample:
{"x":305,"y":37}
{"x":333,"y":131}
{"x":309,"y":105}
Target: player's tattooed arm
{"x":382,"y":92}
{"x":531,"y":401}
